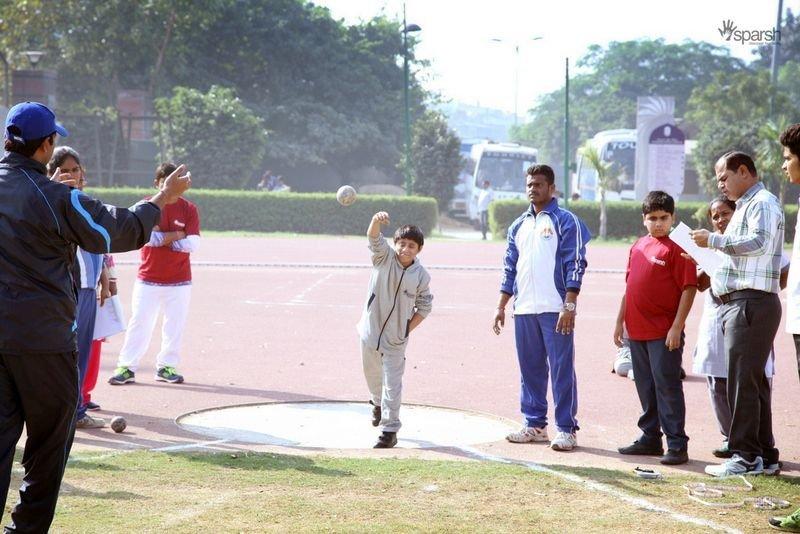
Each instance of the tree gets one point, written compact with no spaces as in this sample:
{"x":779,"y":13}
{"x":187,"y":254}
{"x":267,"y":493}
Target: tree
{"x":435,"y":160}
{"x":330,"y":93}
{"x":769,"y":154}
{"x":607,"y":175}
{"x":214,"y":134}
{"x":605,"y":97}
{"x":728,"y":113}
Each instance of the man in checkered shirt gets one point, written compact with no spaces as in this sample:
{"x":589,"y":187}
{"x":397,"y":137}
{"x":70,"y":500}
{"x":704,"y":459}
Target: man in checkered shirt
{"x":747,"y":282}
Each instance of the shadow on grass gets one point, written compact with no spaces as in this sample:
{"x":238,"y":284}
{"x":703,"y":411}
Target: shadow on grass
{"x":87,"y":464}
{"x":261,"y":462}
{"x":74,"y":491}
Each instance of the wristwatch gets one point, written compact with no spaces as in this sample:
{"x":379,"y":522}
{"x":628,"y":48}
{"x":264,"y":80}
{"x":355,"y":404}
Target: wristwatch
{"x":568,"y":307}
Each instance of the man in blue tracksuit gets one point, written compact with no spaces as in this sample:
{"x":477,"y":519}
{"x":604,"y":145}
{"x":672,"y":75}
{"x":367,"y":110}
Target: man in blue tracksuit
{"x":543,"y":267}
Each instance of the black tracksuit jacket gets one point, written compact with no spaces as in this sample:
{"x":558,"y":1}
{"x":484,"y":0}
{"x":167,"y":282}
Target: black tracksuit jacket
{"x":41,"y":222}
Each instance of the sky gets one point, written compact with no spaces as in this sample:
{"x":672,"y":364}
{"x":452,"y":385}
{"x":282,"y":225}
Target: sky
{"x":468,"y":66}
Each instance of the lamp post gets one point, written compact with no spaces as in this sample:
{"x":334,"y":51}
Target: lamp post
{"x":516,"y":72}
{"x":6,"y":100}
{"x":407,"y":164}
{"x":34,"y":56}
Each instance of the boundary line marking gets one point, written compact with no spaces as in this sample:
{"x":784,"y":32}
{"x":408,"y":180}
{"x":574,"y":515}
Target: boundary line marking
{"x":310,"y":265}
{"x":602,"y":488}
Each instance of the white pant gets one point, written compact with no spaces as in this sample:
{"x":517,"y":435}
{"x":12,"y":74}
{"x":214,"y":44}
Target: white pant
{"x":384,"y":374}
{"x":147,"y":303}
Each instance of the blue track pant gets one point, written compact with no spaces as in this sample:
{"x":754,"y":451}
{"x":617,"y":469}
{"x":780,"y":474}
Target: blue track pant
{"x":87,"y":312}
{"x":542,"y":351}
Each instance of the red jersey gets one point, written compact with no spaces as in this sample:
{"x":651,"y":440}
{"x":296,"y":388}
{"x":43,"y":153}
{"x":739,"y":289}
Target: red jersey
{"x":162,"y":265}
{"x":657,"y":275}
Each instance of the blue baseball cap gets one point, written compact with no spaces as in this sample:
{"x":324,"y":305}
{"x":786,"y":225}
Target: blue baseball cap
{"x":28,"y":121}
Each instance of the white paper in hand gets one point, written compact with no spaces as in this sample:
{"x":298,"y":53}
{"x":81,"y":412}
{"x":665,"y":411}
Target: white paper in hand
{"x":706,"y":258}
{"x":110,"y":318}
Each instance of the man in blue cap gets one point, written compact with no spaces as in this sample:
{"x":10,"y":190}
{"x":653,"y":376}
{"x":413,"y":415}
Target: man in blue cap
{"x":41,"y":222}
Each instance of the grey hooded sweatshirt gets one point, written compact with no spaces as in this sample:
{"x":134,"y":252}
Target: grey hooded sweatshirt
{"x":395,"y":294}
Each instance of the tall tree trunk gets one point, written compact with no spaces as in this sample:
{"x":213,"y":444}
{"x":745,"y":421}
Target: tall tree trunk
{"x":161,"y":52}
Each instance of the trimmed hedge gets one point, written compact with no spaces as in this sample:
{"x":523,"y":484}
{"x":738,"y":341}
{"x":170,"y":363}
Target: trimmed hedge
{"x":624,"y":218}
{"x":317,"y":213}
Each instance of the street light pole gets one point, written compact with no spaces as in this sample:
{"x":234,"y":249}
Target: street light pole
{"x":566,"y":134}
{"x":6,"y":100}
{"x":407,"y":163}
{"x":775,"y":59}
{"x":516,"y":73}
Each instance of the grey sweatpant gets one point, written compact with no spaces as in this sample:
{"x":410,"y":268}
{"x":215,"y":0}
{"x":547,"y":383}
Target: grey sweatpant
{"x":384,"y":374}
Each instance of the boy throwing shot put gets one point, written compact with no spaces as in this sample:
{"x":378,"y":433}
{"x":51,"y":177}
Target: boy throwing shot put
{"x":398,"y":300}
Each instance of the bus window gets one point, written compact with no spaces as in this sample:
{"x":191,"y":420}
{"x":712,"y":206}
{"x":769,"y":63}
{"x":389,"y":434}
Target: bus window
{"x":506,"y":171}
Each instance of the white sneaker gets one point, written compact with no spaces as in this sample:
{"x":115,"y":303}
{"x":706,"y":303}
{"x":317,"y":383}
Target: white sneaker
{"x":528,"y":434}
{"x":736,"y":466}
{"x":564,"y":441}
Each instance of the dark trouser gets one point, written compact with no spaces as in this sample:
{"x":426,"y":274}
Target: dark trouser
{"x":657,"y":375}
{"x":41,"y":391}
{"x":718,"y":392}
{"x":797,"y":351}
{"x":87,"y":313}
{"x":749,"y":326}
{"x":484,"y":222}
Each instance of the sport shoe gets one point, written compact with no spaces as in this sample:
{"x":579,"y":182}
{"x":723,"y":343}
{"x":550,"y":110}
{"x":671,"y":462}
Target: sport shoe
{"x":789,"y":523}
{"x":642,"y":449}
{"x":87,"y":421}
{"x":736,"y":466}
{"x":722,"y":452}
{"x":772,"y":469}
{"x":675,"y":457}
{"x":122,"y":375}
{"x":92,"y":406}
{"x":386,"y":440}
{"x":564,"y":441}
{"x":376,"y":414}
{"x":168,"y":374}
{"x":529,"y":434}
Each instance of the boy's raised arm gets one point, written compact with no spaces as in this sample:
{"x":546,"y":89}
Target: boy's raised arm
{"x":379,"y":219}
{"x":380,"y":249}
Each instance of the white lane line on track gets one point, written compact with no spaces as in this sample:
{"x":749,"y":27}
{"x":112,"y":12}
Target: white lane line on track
{"x":290,"y":265}
{"x":300,"y":298}
{"x":599,"y":487}
{"x":188,"y":446}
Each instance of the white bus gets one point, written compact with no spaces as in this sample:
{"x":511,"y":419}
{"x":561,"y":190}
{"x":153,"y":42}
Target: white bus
{"x":504,"y":165}
{"x":613,"y":146}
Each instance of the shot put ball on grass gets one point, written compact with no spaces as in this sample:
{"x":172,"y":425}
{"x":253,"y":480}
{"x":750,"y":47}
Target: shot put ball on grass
{"x":346,"y":195}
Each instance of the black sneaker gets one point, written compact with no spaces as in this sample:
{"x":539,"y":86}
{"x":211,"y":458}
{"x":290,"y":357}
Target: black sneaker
{"x":92,"y":406}
{"x":168,"y":374}
{"x":376,"y":414}
{"x":387,"y":440}
{"x":722,"y":452}
{"x":643,"y":449}
{"x":122,"y":375}
{"x":675,"y":457}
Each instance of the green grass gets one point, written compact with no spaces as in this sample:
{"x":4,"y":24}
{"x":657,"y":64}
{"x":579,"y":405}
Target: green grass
{"x":194,"y":492}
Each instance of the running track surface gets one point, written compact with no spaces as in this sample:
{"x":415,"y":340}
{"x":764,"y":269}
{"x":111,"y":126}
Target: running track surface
{"x":265,"y":334}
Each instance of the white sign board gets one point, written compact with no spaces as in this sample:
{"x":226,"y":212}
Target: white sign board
{"x":666,"y":160}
